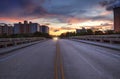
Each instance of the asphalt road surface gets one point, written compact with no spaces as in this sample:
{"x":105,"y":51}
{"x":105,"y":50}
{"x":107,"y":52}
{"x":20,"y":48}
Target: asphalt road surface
{"x":62,"y":59}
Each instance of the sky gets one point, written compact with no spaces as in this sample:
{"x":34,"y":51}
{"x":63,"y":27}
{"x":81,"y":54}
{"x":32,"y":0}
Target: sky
{"x":60,"y":15}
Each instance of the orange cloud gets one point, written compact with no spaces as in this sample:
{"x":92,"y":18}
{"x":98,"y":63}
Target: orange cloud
{"x":76,"y":20}
{"x":12,"y":20}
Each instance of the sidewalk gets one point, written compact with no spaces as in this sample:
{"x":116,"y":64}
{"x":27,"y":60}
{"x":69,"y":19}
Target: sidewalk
{"x":106,"y":45}
{"x":13,"y":48}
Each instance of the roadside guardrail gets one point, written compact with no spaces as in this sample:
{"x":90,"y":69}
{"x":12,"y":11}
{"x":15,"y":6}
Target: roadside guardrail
{"x":6,"y":42}
{"x":100,"y":38}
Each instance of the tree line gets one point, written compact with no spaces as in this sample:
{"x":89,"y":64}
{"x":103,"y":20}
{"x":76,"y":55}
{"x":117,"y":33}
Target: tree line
{"x":88,"y":32}
{"x":36,"y":34}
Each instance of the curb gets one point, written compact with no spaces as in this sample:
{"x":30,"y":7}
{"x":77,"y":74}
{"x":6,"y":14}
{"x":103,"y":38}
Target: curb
{"x":97,"y":45}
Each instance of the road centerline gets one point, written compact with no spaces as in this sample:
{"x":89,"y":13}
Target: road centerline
{"x":59,"y":70}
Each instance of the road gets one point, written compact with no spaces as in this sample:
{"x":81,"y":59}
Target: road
{"x":62,"y":59}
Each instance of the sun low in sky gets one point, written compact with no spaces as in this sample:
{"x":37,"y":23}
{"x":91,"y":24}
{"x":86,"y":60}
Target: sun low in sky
{"x":60,"y":15}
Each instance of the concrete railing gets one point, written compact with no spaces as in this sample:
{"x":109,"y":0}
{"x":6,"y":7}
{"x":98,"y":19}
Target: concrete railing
{"x":99,"y":38}
{"x":5,"y":42}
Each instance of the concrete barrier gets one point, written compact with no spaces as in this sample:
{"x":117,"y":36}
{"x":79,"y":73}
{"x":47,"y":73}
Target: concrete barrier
{"x":99,"y":38}
{"x":8,"y":50}
{"x":6,"y":42}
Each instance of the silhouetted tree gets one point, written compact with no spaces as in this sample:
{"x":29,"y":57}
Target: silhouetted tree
{"x":67,"y":34}
{"x":109,"y":32}
{"x":99,"y":33}
{"x":117,"y":32}
{"x":90,"y":32}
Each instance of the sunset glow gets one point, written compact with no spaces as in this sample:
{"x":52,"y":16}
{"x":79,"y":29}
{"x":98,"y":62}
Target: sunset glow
{"x":65,"y":16}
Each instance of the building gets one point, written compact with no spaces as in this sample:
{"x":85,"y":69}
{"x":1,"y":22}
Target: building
{"x":20,"y":28}
{"x":34,"y":27}
{"x":10,"y":30}
{"x":116,"y":19}
{"x":44,"y":29}
{"x":26,"y":28}
{"x":1,"y":30}
{"x":83,"y":30}
{"x":6,"y":29}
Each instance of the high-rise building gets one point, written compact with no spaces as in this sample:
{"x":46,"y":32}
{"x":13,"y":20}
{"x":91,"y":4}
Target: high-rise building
{"x":10,"y":30}
{"x":6,"y":29}
{"x":117,"y":19}
{"x":26,"y":28}
{"x":34,"y":27}
{"x":44,"y":29}
{"x":18,"y":28}
{"x":1,"y":30}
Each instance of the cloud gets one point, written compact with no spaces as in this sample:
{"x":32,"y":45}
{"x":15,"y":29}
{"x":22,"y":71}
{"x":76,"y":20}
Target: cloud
{"x":67,"y":28}
{"x":106,"y":24}
{"x":21,"y":9}
{"x":25,"y":8}
{"x":99,"y":18}
{"x":52,"y":11}
{"x":110,"y":4}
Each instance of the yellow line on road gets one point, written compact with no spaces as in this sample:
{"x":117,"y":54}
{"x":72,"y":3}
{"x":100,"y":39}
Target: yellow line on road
{"x":58,"y":63}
